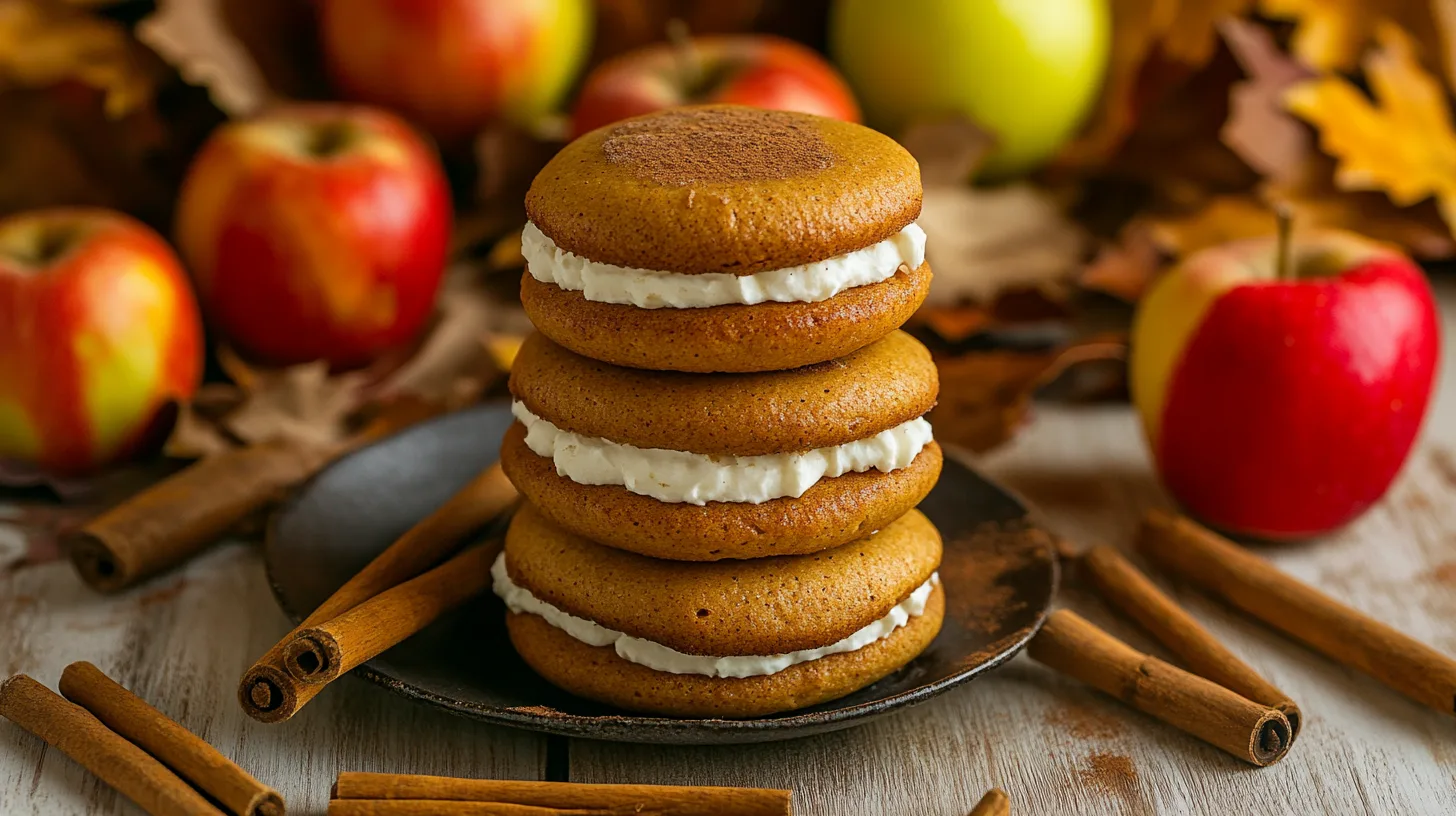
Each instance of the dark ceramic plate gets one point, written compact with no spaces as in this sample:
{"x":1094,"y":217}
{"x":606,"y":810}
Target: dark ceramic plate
{"x":999,"y":574}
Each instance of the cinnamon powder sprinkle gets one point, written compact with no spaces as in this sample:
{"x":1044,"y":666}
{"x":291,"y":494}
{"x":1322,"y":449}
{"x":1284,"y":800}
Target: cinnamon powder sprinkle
{"x":1111,"y":773}
{"x":679,"y":148}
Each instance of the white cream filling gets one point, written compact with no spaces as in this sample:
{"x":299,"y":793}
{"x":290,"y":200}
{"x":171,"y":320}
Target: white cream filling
{"x":696,"y":478}
{"x":652,"y":289}
{"x":664,"y":659}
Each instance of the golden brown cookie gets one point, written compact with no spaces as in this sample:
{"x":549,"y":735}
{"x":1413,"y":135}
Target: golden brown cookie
{"x":597,"y":673}
{"x":811,"y":218}
{"x":831,"y":513}
{"x":762,"y":337}
{"x":879,"y":387}
{"x":724,"y":188}
{"x":663,"y":627}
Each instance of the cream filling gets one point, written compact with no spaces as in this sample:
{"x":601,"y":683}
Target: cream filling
{"x":652,"y":289}
{"x":696,"y":478}
{"x":664,"y":659}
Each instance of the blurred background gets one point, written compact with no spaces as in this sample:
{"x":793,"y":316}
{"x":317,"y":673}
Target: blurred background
{"x":234,"y":221}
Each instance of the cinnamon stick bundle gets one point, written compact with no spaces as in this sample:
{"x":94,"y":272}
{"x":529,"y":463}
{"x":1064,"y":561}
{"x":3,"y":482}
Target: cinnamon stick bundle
{"x":994,"y":803}
{"x":181,"y":750}
{"x":269,"y":692}
{"x":175,"y":518}
{"x":411,"y":794}
{"x":1255,"y":733}
{"x":1348,"y":636}
{"x":1127,"y":588}
{"x":79,"y":735}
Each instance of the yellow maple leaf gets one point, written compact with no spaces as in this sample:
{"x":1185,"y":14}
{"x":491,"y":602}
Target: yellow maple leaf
{"x":1400,"y":142}
{"x":46,"y":43}
{"x":1331,"y":35}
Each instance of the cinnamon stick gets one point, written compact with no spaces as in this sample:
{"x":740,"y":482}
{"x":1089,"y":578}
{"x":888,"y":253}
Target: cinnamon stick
{"x":1346,"y":635}
{"x":994,"y":803}
{"x":1255,"y":733}
{"x":1127,"y":588}
{"x":430,"y":807}
{"x":558,"y":797}
{"x":370,"y":628}
{"x":269,"y":693}
{"x":197,"y":762}
{"x":173,"y":519}
{"x":78,"y":734}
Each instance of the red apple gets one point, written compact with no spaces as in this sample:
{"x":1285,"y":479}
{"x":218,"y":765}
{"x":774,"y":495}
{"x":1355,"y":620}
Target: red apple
{"x":98,"y":333}
{"x":1283,"y":406}
{"x":315,"y":232}
{"x":757,"y":70}
{"x":453,"y":66}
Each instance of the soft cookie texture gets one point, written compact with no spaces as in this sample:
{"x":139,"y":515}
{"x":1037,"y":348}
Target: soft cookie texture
{"x":877,"y":388}
{"x":724,"y":188}
{"x":765,"y":606}
{"x":597,"y":673}
{"x":729,"y":190}
{"x":832,"y":512}
{"x":763,"y":337}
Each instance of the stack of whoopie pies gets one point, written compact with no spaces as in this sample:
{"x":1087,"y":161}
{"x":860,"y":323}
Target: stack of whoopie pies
{"x":720,"y":429}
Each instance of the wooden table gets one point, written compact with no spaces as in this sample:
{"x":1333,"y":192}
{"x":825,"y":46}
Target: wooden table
{"x":182,"y":640}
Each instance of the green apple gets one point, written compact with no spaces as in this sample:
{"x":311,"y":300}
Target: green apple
{"x":1026,"y":70}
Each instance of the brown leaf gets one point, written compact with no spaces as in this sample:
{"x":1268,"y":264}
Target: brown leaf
{"x":45,"y":43}
{"x":1126,"y":267}
{"x":1137,"y":26}
{"x":1222,"y":219}
{"x":247,"y":53}
{"x":454,"y":365}
{"x":955,"y":323}
{"x":985,"y":397}
{"x":1400,"y":140}
{"x":1192,"y":36}
{"x":1259,"y":129}
{"x":987,"y":240}
{"x":302,"y":403}
{"x":949,"y":148}
{"x":199,"y":430}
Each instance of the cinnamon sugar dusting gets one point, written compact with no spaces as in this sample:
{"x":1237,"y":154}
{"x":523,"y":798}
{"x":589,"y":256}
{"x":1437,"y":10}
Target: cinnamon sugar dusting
{"x":1111,"y":773}
{"x":678,"y":148}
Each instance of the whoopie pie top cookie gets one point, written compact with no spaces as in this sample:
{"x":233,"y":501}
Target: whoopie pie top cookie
{"x":724,"y":238}
{"x":725,"y":618}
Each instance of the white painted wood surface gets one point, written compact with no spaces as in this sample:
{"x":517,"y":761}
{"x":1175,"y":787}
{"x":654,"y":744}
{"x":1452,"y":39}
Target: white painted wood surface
{"x":1056,"y":747}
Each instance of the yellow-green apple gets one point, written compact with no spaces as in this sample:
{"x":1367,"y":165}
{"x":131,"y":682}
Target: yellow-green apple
{"x":99,"y":332}
{"x":452,"y":66}
{"x":1282,"y":404}
{"x":1027,"y":72}
{"x":758,"y":70}
{"x":315,"y":232}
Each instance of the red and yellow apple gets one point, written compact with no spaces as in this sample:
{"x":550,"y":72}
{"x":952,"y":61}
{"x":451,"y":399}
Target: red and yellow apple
{"x":452,"y":66}
{"x":315,"y":232}
{"x":1282,"y":406}
{"x":757,"y":70}
{"x":98,"y":333}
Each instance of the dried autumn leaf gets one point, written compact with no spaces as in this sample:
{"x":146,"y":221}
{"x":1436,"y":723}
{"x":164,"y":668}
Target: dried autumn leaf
{"x":988,"y":240}
{"x":949,"y":149}
{"x":1400,"y":142}
{"x":303,"y":403}
{"x":1331,"y":35}
{"x":1137,"y":26}
{"x":1259,"y":128}
{"x":1126,"y":267}
{"x":985,"y":397}
{"x":44,"y":44}
{"x":247,"y":53}
{"x":1192,"y":35}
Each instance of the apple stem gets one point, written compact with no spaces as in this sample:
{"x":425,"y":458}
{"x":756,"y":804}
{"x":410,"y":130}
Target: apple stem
{"x":1283,"y":265}
{"x":688,"y":64}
